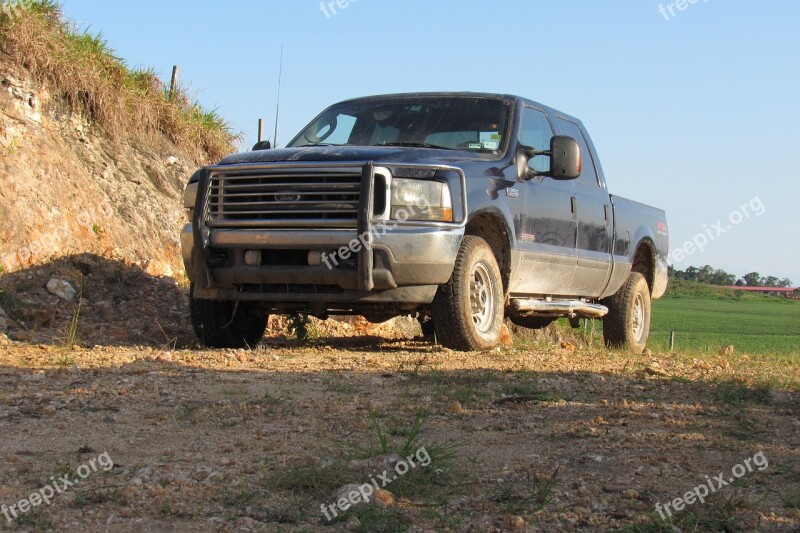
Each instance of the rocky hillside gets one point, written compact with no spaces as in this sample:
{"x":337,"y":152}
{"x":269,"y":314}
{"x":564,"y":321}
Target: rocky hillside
{"x":66,"y":187}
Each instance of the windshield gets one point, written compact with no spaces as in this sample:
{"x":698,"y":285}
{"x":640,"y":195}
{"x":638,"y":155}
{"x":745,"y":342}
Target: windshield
{"x":451,"y":123}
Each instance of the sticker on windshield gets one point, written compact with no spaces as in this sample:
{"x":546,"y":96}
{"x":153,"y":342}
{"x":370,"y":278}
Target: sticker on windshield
{"x":491,"y":145}
{"x":496,"y":137}
{"x":475,"y":146}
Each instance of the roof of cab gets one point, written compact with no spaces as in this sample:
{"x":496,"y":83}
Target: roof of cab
{"x":514,"y":98}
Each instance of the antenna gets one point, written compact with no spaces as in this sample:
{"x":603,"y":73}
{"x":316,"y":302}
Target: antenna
{"x":278,"y":107}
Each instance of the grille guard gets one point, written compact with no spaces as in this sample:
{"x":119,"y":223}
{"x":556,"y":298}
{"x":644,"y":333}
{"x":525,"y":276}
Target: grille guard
{"x":366,"y":283}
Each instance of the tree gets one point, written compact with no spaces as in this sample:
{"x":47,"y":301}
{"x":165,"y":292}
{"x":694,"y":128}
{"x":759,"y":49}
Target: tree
{"x":722,"y":278}
{"x":753,"y":279}
{"x":785,"y":282}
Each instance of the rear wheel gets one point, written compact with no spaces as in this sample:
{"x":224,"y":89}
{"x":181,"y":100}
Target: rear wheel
{"x":627,"y":324}
{"x":225,"y":324}
{"x":468,"y":311}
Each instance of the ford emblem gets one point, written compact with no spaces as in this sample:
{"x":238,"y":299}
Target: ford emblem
{"x":287,"y":197}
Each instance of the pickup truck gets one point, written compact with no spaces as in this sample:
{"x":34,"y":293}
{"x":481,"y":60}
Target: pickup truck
{"x":460,"y":209}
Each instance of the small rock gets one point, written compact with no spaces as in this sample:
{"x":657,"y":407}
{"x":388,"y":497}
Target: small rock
{"x":172,"y":160}
{"x":104,"y":310}
{"x":513,"y":523}
{"x":383,"y":499}
{"x":455,"y":408}
{"x":21,"y":336}
{"x":201,"y":474}
{"x":655,"y":370}
{"x":42,"y":316}
{"x":62,"y":289}
{"x":631,"y":494}
{"x":3,"y":324}
{"x":568,"y":346}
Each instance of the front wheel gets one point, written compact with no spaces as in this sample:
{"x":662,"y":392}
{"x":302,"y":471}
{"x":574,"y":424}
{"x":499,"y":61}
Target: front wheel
{"x":226,"y":324}
{"x":627,"y":324}
{"x":468,"y":310}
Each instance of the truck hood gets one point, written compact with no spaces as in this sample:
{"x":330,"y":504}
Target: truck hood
{"x":388,"y":155}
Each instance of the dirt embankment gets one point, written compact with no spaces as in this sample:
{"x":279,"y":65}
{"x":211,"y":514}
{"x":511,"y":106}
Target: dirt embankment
{"x":66,"y":188}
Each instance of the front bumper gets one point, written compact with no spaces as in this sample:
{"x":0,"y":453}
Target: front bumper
{"x":376,"y":261}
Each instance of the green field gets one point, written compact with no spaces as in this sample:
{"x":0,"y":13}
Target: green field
{"x":706,"y":322}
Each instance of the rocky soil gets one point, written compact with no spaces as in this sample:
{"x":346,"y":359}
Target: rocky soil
{"x":66,"y":188}
{"x":531,"y":437}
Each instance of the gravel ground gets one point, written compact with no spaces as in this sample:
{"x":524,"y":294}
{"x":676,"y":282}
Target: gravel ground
{"x":527,"y":438}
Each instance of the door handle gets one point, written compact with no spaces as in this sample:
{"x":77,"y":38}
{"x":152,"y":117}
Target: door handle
{"x":574,"y":205}
{"x":605,"y":212}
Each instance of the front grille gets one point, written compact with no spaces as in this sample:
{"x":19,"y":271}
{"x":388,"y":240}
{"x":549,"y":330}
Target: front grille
{"x":284,"y":198}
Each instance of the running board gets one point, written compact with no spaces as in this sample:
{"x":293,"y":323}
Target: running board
{"x":571,"y":309}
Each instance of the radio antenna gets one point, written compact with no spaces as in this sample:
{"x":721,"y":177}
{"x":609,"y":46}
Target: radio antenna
{"x":278,"y":107}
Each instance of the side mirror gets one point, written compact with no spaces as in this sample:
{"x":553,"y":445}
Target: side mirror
{"x":263,"y":145}
{"x":565,"y":159}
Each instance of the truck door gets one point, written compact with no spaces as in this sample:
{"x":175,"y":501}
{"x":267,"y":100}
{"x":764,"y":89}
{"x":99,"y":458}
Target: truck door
{"x":595,"y":218}
{"x":546,"y":230}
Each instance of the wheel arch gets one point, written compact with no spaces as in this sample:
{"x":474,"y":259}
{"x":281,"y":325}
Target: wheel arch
{"x":644,"y":261}
{"x":491,"y":227}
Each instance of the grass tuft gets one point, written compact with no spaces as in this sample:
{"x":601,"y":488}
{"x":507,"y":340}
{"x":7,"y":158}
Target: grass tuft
{"x":129,"y":104}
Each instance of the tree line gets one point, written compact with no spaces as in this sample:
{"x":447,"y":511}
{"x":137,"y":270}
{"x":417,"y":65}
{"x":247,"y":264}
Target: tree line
{"x":711,"y":276}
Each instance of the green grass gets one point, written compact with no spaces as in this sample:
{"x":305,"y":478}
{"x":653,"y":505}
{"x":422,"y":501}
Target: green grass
{"x":752,"y":324}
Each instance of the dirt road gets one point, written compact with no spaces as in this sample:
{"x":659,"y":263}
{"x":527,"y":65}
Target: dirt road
{"x":526,"y":438}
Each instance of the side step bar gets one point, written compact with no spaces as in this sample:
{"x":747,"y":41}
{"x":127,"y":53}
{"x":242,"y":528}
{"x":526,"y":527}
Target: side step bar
{"x":571,"y":309}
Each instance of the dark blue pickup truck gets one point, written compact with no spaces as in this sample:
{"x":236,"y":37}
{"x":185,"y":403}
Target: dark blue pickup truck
{"x":461,"y":209}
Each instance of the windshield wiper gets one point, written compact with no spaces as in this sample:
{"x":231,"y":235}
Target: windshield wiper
{"x":416,"y":144}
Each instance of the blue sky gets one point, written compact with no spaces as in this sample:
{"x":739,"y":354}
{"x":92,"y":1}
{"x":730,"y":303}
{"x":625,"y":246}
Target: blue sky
{"x":698,"y":114}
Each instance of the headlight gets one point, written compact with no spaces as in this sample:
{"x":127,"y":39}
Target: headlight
{"x":190,"y":199}
{"x":421,"y":200}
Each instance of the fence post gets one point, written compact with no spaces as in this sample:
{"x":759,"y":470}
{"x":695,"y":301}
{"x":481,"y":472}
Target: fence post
{"x":173,"y":85}
{"x":671,"y":341}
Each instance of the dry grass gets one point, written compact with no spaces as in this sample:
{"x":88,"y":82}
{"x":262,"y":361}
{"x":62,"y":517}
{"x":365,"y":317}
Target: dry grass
{"x":127,"y":103}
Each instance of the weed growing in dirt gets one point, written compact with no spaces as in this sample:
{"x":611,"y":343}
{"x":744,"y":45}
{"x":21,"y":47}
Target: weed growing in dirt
{"x":737,"y":393}
{"x":525,"y":392}
{"x":10,"y":303}
{"x":302,"y":328}
{"x":533,"y":498}
{"x":372,"y":519}
{"x":730,"y":513}
{"x":71,"y":332}
{"x":318,"y":480}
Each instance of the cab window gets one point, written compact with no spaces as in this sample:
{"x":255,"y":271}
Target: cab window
{"x":536,"y":133}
